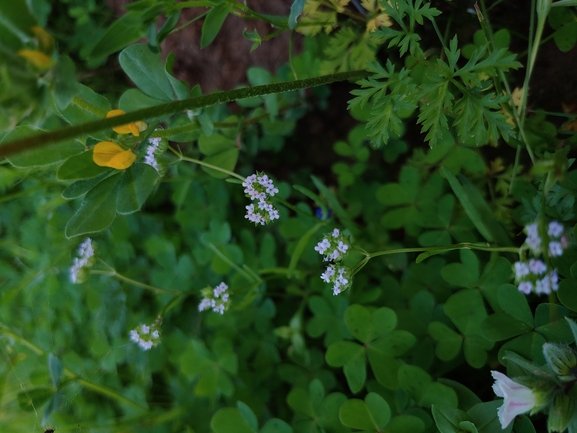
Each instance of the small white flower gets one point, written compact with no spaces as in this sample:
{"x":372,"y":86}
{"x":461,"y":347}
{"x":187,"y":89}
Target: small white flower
{"x":521,"y":270}
{"x":259,"y":187}
{"x":322,"y":246}
{"x":555,"y":249}
{"x":333,"y":246}
{"x":339,"y":276}
{"x":537,"y":267}
{"x":146,"y":336}
{"x":543,"y":286}
{"x":526,"y":287}
{"x":555,"y":229}
{"x":518,"y":399}
{"x":216,"y":299}
{"x":81,"y":264}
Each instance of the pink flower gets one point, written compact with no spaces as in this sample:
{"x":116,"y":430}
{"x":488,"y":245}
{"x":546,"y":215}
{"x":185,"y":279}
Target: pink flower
{"x":518,"y":399}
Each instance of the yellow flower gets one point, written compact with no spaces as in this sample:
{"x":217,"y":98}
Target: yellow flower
{"x":107,"y":154}
{"x":516,"y":95}
{"x":45,"y":39}
{"x":37,"y":58}
{"x":133,"y":128}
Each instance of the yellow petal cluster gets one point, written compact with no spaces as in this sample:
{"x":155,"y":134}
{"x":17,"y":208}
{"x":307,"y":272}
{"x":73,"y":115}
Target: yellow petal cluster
{"x":108,"y":154}
{"x":37,"y":58}
{"x":134,"y":128}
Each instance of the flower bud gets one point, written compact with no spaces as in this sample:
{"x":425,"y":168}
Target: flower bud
{"x":560,"y":413}
{"x":562,"y":360}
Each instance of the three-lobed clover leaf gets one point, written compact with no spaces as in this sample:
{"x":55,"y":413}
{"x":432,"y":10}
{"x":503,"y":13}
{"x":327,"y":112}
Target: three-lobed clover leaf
{"x":381,"y":345}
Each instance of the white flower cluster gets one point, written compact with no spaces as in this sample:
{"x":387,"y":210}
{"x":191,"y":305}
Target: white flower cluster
{"x":557,"y":242}
{"x":259,"y":187}
{"x":82,"y":264}
{"x":339,"y":276}
{"x":150,"y":156}
{"x":216,"y":299}
{"x":534,"y":276}
{"x":146,"y":336}
{"x":334,"y":247}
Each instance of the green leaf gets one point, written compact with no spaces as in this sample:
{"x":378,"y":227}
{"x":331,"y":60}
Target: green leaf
{"x":135,"y":99}
{"x":350,"y":356}
{"x":567,"y":293}
{"x":501,"y":326}
{"x":405,"y":424}
{"x":477,"y":208}
{"x":414,"y":381}
{"x":432,"y":116}
{"x":448,"y":341}
{"x":566,"y":36}
{"x":97,"y":210}
{"x":55,"y":369}
{"x":298,"y":399}
{"x":276,"y":425}
{"x":515,"y":304}
{"x":226,"y":160}
{"x":215,"y":143}
{"x":247,"y":414}
{"x":30,"y":399}
{"x":65,"y":85}
{"x":372,"y":414}
{"x":136,"y":184}
{"x":87,"y":106}
{"x":462,"y":274}
{"x":123,"y":32}
{"x":229,"y":420}
{"x":147,"y":70}
{"x":296,"y":10}
{"x":213,"y":22}
{"x":367,"y":327}
{"x":80,"y":167}
{"x":448,"y":418}
{"x":300,"y":248}
{"x":40,"y":156}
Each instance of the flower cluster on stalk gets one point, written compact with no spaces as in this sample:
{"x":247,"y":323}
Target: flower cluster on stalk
{"x":334,"y":247}
{"x":217,"y":299}
{"x":533,"y":275}
{"x":260,"y":188}
{"x":81,"y":265}
{"x":146,"y":336}
{"x":152,"y":151}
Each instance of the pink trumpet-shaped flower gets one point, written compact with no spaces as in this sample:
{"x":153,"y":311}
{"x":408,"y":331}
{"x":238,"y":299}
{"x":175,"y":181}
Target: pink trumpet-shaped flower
{"x":518,"y":399}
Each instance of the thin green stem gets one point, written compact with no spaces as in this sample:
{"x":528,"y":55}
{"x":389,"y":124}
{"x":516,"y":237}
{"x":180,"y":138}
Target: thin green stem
{"x":113,"y":273}
{"x":250,"y":277}
{"x":169,"y":305}
{"x":70,"y":375}
{"x":202,"y":15}
{"x":169,"y":108}
{"x":460,"y":246}
{"x":207,"y":165}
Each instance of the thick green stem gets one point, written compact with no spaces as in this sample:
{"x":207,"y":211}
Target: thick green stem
{"x":169,"y":108}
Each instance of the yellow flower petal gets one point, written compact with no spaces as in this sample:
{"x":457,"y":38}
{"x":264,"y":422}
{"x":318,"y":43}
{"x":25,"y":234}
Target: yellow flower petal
{"x":133,"y":128}
{"x":123,"y":160}
{"x":108,"y":154}
{"x":37,"y":58}
{"x":45,"y":39}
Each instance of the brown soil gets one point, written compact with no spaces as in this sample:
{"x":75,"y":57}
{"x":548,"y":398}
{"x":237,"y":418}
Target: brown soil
{"x":223,"y":64}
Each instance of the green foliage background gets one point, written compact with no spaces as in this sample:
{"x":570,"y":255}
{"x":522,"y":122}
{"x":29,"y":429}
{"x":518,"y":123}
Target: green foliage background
{"x":408,"y":348}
